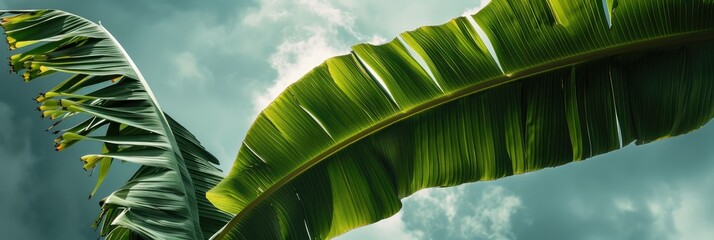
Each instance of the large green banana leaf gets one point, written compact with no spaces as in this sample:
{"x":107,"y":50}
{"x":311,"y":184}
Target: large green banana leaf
{"x":104,"y":91}
{"x":520,"y":86}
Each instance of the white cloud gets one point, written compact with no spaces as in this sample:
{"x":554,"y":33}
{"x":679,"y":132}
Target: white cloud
{"x":661,"y":207}
{"x":392,"y":227}
{"x":189,"y":70}
{"x":328,"y":12}
{"x":444,"y":201}
{"x":389,"y":18}
{"x":491,"y":218}
{"x":269,"y":10}
{"x":474,"y":10}
{"x":274,"y":11}
{"x":693,"y":219}
{"x":295,"y":57}
{"x":376,"y":40}
{"x":624,"y":204}
{"x":580,"y":208}
{"x":463,"y":212}
{"x":324,"y":21}
{"x":312,"y":36}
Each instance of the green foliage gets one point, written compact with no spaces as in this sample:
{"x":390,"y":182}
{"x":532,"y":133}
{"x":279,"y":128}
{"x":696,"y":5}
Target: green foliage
{"x":165,"y":199}
{"x":521,"y":86}
{"x":573,"y":79}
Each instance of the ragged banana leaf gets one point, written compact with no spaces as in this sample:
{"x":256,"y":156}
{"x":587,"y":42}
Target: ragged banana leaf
{"x":105,"y":98}
{"x":520,"y":86}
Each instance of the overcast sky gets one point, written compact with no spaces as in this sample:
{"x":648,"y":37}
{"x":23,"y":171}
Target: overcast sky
{"x":214,"y":64}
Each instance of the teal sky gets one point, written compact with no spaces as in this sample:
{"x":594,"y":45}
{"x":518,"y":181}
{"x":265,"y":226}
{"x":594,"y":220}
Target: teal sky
{"x":214,"y":64}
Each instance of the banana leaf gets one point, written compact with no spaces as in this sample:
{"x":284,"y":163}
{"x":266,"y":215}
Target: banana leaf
{"x":104,"y":98}
{"x":520,"y":86}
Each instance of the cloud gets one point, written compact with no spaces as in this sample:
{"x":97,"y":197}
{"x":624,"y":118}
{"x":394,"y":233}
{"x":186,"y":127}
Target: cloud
{"x":653,"y":191}
{"x":331,"y":27}
{"x":661,"y":209}
{"x":491,"y":219}
{"x":474,"y":10}
{"x":376,"y":40}
{"x":463,"y":212}
{"x":606,"y":198}
{"x":295,"y":57}
{"x":307,"y":42}
{"x":275,"y":11}
{"x":693,"y":219}
{"x":444,"y":202}
{"x":390,"y":18}
{"x":189,"y":71}
{"x":393,"y":227}
{"x":328,"y":12}
{"x":270,"y":10}
{"x":624,"y":204}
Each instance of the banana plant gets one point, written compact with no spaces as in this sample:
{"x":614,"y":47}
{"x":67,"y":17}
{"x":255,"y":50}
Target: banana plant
{"x":520,"y":86}
{"x":103,"y":91}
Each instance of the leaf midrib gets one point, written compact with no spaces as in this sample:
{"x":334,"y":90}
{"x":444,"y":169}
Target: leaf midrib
{"x":180,"y":166}
{"x":652,"y":43}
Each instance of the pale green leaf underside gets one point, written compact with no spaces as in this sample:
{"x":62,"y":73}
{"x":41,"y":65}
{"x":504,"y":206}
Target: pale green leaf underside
{"x":165,"y":199}
{"x":336,"y":150}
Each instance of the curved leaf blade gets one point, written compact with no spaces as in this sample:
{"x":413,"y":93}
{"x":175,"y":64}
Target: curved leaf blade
{"x":165,"y":199}
{"x":361,"y":131}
